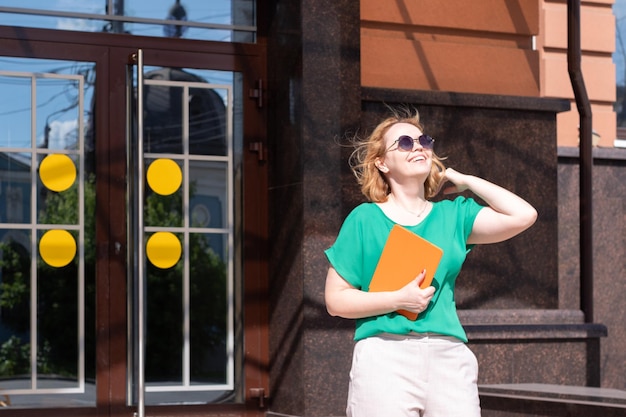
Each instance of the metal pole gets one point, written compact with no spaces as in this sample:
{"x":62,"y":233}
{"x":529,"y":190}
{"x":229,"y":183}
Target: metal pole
{"x":586,"y":158}
{"x":140,"y":245}
{"x":117,"y":10}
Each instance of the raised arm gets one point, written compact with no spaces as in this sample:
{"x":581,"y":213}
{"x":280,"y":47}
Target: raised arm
{"x":343,"y":300}
{"x":507,"y":214}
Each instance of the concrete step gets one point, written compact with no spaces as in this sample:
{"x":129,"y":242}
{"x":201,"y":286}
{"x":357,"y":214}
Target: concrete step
{"x":541,"y":400}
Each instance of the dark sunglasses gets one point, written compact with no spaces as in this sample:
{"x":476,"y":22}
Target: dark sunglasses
{"x":407,"y":143}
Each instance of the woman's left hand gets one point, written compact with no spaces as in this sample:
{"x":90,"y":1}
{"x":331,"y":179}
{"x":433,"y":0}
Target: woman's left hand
{"x":507,"y":214}
{"x":457,"y":180}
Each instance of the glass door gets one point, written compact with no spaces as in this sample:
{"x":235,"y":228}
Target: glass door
{"x":185,"y":158}
{"x":132,"y":229}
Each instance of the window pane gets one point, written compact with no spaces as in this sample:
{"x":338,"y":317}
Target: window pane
{"x":208,"y":195}
{"x":209,"y":309}
{"x":47,"y":278}
{"x":164,"y":202}
{"x":58,"y":206}
{"x":15,"y":184}
{"x":172,"y":95}
{"x":83,"y":6}
{"x":57,"y":322}
{"x":164,"y":334}
{"x":219,"y":20}
{"x":163,"y":132}
{"x":15,"y":113}
{"x":15,"y":294}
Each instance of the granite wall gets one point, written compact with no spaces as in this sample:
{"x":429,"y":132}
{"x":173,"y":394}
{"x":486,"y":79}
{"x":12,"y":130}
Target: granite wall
{"x":609,"y":251}
{"x":517,"y":298}
{"x":314,"y":97}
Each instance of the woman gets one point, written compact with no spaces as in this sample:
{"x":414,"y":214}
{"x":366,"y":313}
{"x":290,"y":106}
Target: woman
{"x":402,"y":367}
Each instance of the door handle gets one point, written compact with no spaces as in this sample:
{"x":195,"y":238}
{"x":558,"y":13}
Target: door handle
{"x":260,"y":149}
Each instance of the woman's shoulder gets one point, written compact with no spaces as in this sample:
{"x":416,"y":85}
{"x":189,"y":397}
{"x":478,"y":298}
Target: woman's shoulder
{"x":365,"y":208}
{"x":458,"y":204}
{"x":363,"y":212}
{"x":457,"y":201}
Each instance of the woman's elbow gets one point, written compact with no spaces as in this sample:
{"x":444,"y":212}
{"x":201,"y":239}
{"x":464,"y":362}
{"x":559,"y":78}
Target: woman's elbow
{"x":331,"y":311}
{"x":530,"y":217}
{"x":523,"y":221}
{"x":331,"y":306}
{"x":333,"y":292}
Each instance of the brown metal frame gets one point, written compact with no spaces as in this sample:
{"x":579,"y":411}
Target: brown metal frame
{"x":110,"y":52}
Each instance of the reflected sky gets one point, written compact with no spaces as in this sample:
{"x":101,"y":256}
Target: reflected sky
{"x":619,"y":56}
{"x":56,"y":101}
{"x":203,"y":11}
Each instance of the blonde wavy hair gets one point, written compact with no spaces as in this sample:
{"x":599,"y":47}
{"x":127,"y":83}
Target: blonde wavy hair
{"x":373,"y":183}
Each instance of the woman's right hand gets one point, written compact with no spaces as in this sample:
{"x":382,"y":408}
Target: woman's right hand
{"x":413,"y":298}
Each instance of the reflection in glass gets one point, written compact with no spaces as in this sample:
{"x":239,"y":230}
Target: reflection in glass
{"x":163,"y":126}
{"x":209,"y":309}
{"x":216,"y":20}
{"x":15,"y":282}
{"x":15,"y":113}
{"x":58,"y":111}
{"x":168,"y":103}
{"x":61,"y":90}
{"x":57,"y":321}
{"x":164,"y":334}
{"x":208,"y":331}
{"x":15,"y":184}
{"x":45,"y":118}
{"x":84,"y":6}
{"x":208,"y":199}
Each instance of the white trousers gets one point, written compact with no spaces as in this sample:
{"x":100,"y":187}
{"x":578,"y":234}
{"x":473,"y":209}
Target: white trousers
{"x":417,"y":375}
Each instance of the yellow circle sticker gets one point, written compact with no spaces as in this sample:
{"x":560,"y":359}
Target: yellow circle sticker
{"x":163,"y":249}
{"x":164,"y":176}
{"x":57,"y":248}
{"x":57,"y":172}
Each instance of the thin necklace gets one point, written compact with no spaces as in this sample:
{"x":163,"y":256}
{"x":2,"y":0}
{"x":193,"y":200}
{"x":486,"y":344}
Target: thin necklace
{"x":418,"y":215}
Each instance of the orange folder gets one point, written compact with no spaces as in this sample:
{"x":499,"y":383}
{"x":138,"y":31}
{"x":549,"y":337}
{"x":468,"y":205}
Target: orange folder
{"x":404,"y":257}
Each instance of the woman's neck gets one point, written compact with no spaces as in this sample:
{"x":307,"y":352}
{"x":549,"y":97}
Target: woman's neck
{"x":407,"y":209}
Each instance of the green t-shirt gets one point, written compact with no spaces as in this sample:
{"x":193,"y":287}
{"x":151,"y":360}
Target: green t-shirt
{"x":360,"y":242}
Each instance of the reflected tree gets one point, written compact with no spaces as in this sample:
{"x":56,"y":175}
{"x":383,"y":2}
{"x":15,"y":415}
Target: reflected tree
{"x":208,"y":304}
{"x":57,"y":301}
{"x":57,"y":297}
